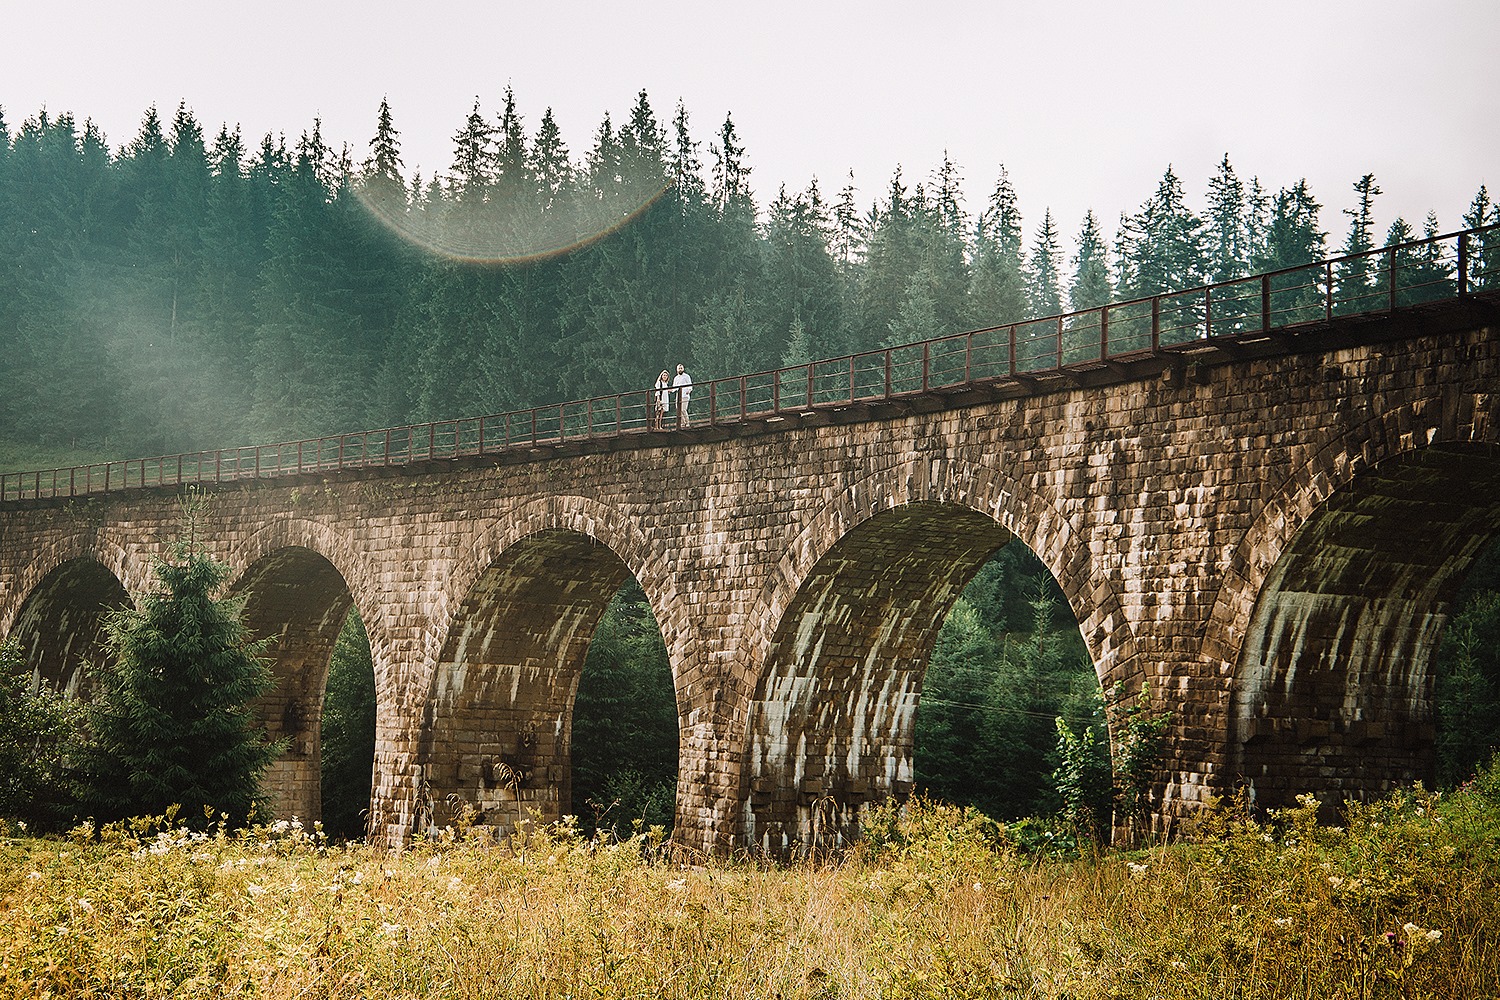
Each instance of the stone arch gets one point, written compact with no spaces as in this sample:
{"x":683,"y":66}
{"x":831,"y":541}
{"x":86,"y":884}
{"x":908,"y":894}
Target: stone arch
{"x":299,"y":579}
{"x":845,"y":629}
{"x":519,"y":612}
{"x":1335,"y":600}
{"x":1021,"y":511}
{"x":59,"y":600}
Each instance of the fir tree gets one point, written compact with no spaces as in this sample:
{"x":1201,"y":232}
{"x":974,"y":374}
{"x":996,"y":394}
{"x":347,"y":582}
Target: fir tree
{"x":550,"y":166}
{"x":997,"y":291}
{"x":1090,"y":286}
{"x":1292,"y":235}
{"x":1356,"y":276}
{"x":381,"y":178}
{"x":1088,"y":289}
{"x":1293,"y":239}
{"x":1161,"y":245}
{"x":1044,"y":271}
{"x":471,"y":175}
{"x":514,"y":188}
{"x":1484,"y":249}
{"x":173,"y":727}
{"x":1226,"y":233}
{"x":643,"y":153}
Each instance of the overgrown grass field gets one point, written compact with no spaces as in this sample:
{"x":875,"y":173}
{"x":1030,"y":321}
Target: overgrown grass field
{"x":1401,"y":901}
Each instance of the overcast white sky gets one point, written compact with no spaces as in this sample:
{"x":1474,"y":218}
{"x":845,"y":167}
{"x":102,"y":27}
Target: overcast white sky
{"x":1085,"y":102}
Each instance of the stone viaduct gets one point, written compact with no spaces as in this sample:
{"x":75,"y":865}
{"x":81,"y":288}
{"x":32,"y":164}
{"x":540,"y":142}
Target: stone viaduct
{"x":1266,"y":535}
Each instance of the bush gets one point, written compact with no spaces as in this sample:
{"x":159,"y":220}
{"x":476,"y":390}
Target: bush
{"x":41,"y":736}
{"x":173,"y":726}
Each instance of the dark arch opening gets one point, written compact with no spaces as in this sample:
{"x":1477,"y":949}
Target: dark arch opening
{"x":299,"y":598}
{"x":498,"y":736}
{"x":625,"y":728}
{"x":1467,"y":675}
{"x":60,"y":624}
{"x":831,"y":728}
{"x":346,"y":770}
{"x":1334,"y":685}
{"x":1008,"y":661}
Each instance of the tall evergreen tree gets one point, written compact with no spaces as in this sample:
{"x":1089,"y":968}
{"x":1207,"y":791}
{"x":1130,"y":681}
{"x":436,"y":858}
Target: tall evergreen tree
{"x":1090,"y":286}
{"x":1356,"y":276}
{"x":1293,"y":236}
{"x":997,"y":291}
{"x":1484,"y":249}
{"x":892,"y":259}
{"x":514,"y":188}
{"x":550,"y":165}
{"x":1162,"y":244}
{"x":1044,"y":271}
{"x":173,"y":727}
{"x":1226,"y":233}
{"x":381,"y":179}
{"x":472,"y":173}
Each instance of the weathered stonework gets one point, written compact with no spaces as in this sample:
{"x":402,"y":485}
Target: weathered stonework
{"x":1269,"y":547}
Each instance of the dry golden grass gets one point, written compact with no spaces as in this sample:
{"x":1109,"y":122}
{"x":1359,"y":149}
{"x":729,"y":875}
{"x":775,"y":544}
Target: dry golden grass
{"x":933,"y":905}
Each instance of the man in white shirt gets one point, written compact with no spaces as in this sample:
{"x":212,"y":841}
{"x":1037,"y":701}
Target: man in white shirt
{"x":683,"y":384}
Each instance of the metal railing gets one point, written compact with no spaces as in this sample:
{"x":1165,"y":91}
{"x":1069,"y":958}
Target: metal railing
{"x":1387,"y":280}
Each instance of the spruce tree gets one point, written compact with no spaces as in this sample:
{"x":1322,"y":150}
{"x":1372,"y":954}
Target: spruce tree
{"x":380,"y":178}
{"x":1293,"y":239}
{"x":1090,"y":287}
{"x":1356,"y":277}
{"x":1044,"y":271}
{"x":997,"y":291}
{"x":173,"y":726}
{"x":1484,"y":249}
{"x":1162,"y":245}
{"x":1226,"y":234}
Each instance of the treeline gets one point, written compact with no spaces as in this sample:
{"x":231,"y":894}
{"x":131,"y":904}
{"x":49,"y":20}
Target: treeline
{"x":183,"y":292}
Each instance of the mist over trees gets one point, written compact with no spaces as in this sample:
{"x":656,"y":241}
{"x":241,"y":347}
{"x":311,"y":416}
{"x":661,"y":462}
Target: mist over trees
{"x":188,"y":290}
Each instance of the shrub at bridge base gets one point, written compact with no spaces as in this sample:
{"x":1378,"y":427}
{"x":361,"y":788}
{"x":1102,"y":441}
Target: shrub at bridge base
{"x":173,"y":727}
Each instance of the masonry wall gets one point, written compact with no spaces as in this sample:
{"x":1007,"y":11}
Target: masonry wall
{"x":798,"y":592}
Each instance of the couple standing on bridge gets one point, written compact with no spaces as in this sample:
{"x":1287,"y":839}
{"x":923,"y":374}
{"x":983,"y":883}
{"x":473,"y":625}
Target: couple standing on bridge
{"x":661,"y":397}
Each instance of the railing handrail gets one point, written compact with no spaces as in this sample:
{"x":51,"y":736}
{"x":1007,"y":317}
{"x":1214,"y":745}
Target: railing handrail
{"x":228,"y":464}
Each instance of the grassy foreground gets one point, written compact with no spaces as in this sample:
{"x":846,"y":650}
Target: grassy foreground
{"x":1403,"y":901}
